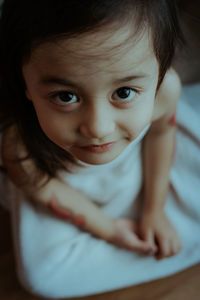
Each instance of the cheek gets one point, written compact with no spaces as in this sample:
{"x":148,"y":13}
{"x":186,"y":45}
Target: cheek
{"x":56,"y":126}
{"x":138,"y":118}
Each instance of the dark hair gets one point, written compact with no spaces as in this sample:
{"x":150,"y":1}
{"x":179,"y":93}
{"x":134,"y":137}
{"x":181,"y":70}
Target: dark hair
{"x":25,"y":23}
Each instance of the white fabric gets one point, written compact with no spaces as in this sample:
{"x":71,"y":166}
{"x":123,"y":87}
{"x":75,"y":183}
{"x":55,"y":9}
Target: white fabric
{"x":55,"y":259}
{"x":112,"y":186}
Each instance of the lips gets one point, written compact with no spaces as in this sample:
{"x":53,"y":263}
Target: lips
{"x":98,"y":148}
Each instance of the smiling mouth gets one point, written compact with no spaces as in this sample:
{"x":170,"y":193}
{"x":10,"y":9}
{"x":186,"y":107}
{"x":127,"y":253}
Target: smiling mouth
{"x":99,"y":148}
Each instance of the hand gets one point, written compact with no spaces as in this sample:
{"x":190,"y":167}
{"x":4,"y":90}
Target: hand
{"x":156,"y":229}
{"x":126,"y":236}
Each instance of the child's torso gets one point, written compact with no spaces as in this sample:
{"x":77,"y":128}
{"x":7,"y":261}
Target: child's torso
{"x":113,"y":184}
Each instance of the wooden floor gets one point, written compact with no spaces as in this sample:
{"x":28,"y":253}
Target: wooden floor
{"x":184,"y":285}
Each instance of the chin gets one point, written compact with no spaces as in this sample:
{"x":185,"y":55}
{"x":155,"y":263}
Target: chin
{"x":95,"y":162}
{"x":97,"y":159}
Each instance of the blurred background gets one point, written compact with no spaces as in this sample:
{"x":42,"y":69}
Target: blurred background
{"x":187,"y":59}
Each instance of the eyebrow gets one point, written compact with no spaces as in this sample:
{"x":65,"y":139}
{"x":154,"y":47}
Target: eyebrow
{"x":131,"y":78}
{"x":49,"y":80}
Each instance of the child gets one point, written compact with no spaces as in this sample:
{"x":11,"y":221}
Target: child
{"x":82,"y":83}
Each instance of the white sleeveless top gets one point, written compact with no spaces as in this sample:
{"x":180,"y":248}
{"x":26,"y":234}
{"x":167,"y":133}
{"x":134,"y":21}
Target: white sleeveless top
{"x":112,"y":186}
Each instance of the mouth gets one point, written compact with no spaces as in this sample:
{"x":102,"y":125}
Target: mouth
{"x":98,"y":148}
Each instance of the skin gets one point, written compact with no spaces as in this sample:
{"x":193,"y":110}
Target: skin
{"x":172,"y":122}
{"x":95,"y":68}
{"x":97,"y":114}
{"x":66,"y":214}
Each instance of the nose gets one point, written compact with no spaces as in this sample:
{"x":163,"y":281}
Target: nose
{"x":98,"y":121}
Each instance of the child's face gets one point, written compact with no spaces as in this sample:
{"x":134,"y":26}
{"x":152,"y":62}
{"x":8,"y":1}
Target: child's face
{"x":94,"y":89}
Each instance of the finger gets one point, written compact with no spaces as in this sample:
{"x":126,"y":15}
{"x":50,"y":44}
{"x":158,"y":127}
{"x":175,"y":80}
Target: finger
{"x":176,"y":247}
{"x":149,"y":238}
{"x":138,"y":245}
{"x":164,"y":249}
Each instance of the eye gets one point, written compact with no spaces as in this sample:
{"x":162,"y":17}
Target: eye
{"x":64,"y":97}
{"x":124,"y":93}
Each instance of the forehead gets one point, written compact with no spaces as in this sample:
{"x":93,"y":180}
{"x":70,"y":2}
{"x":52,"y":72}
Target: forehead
{"x":108,"y":48}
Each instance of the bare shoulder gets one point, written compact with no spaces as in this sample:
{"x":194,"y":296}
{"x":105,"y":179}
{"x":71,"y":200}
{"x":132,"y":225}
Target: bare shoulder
{"x":167,"y":96}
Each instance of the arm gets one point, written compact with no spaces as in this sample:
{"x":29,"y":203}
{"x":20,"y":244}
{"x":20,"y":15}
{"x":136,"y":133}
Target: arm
{"x":159,"y":147}
{"x":52,"y":193}
{"x":158,"y":154}
{"x":65,"y":201}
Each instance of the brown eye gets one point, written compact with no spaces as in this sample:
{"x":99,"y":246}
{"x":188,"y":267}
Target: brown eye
{"x":124,"y":93}
{"x":64,"y":97}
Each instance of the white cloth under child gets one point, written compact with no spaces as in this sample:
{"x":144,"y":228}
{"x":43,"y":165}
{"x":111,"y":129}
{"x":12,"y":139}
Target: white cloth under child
{"x":55,"y":259}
